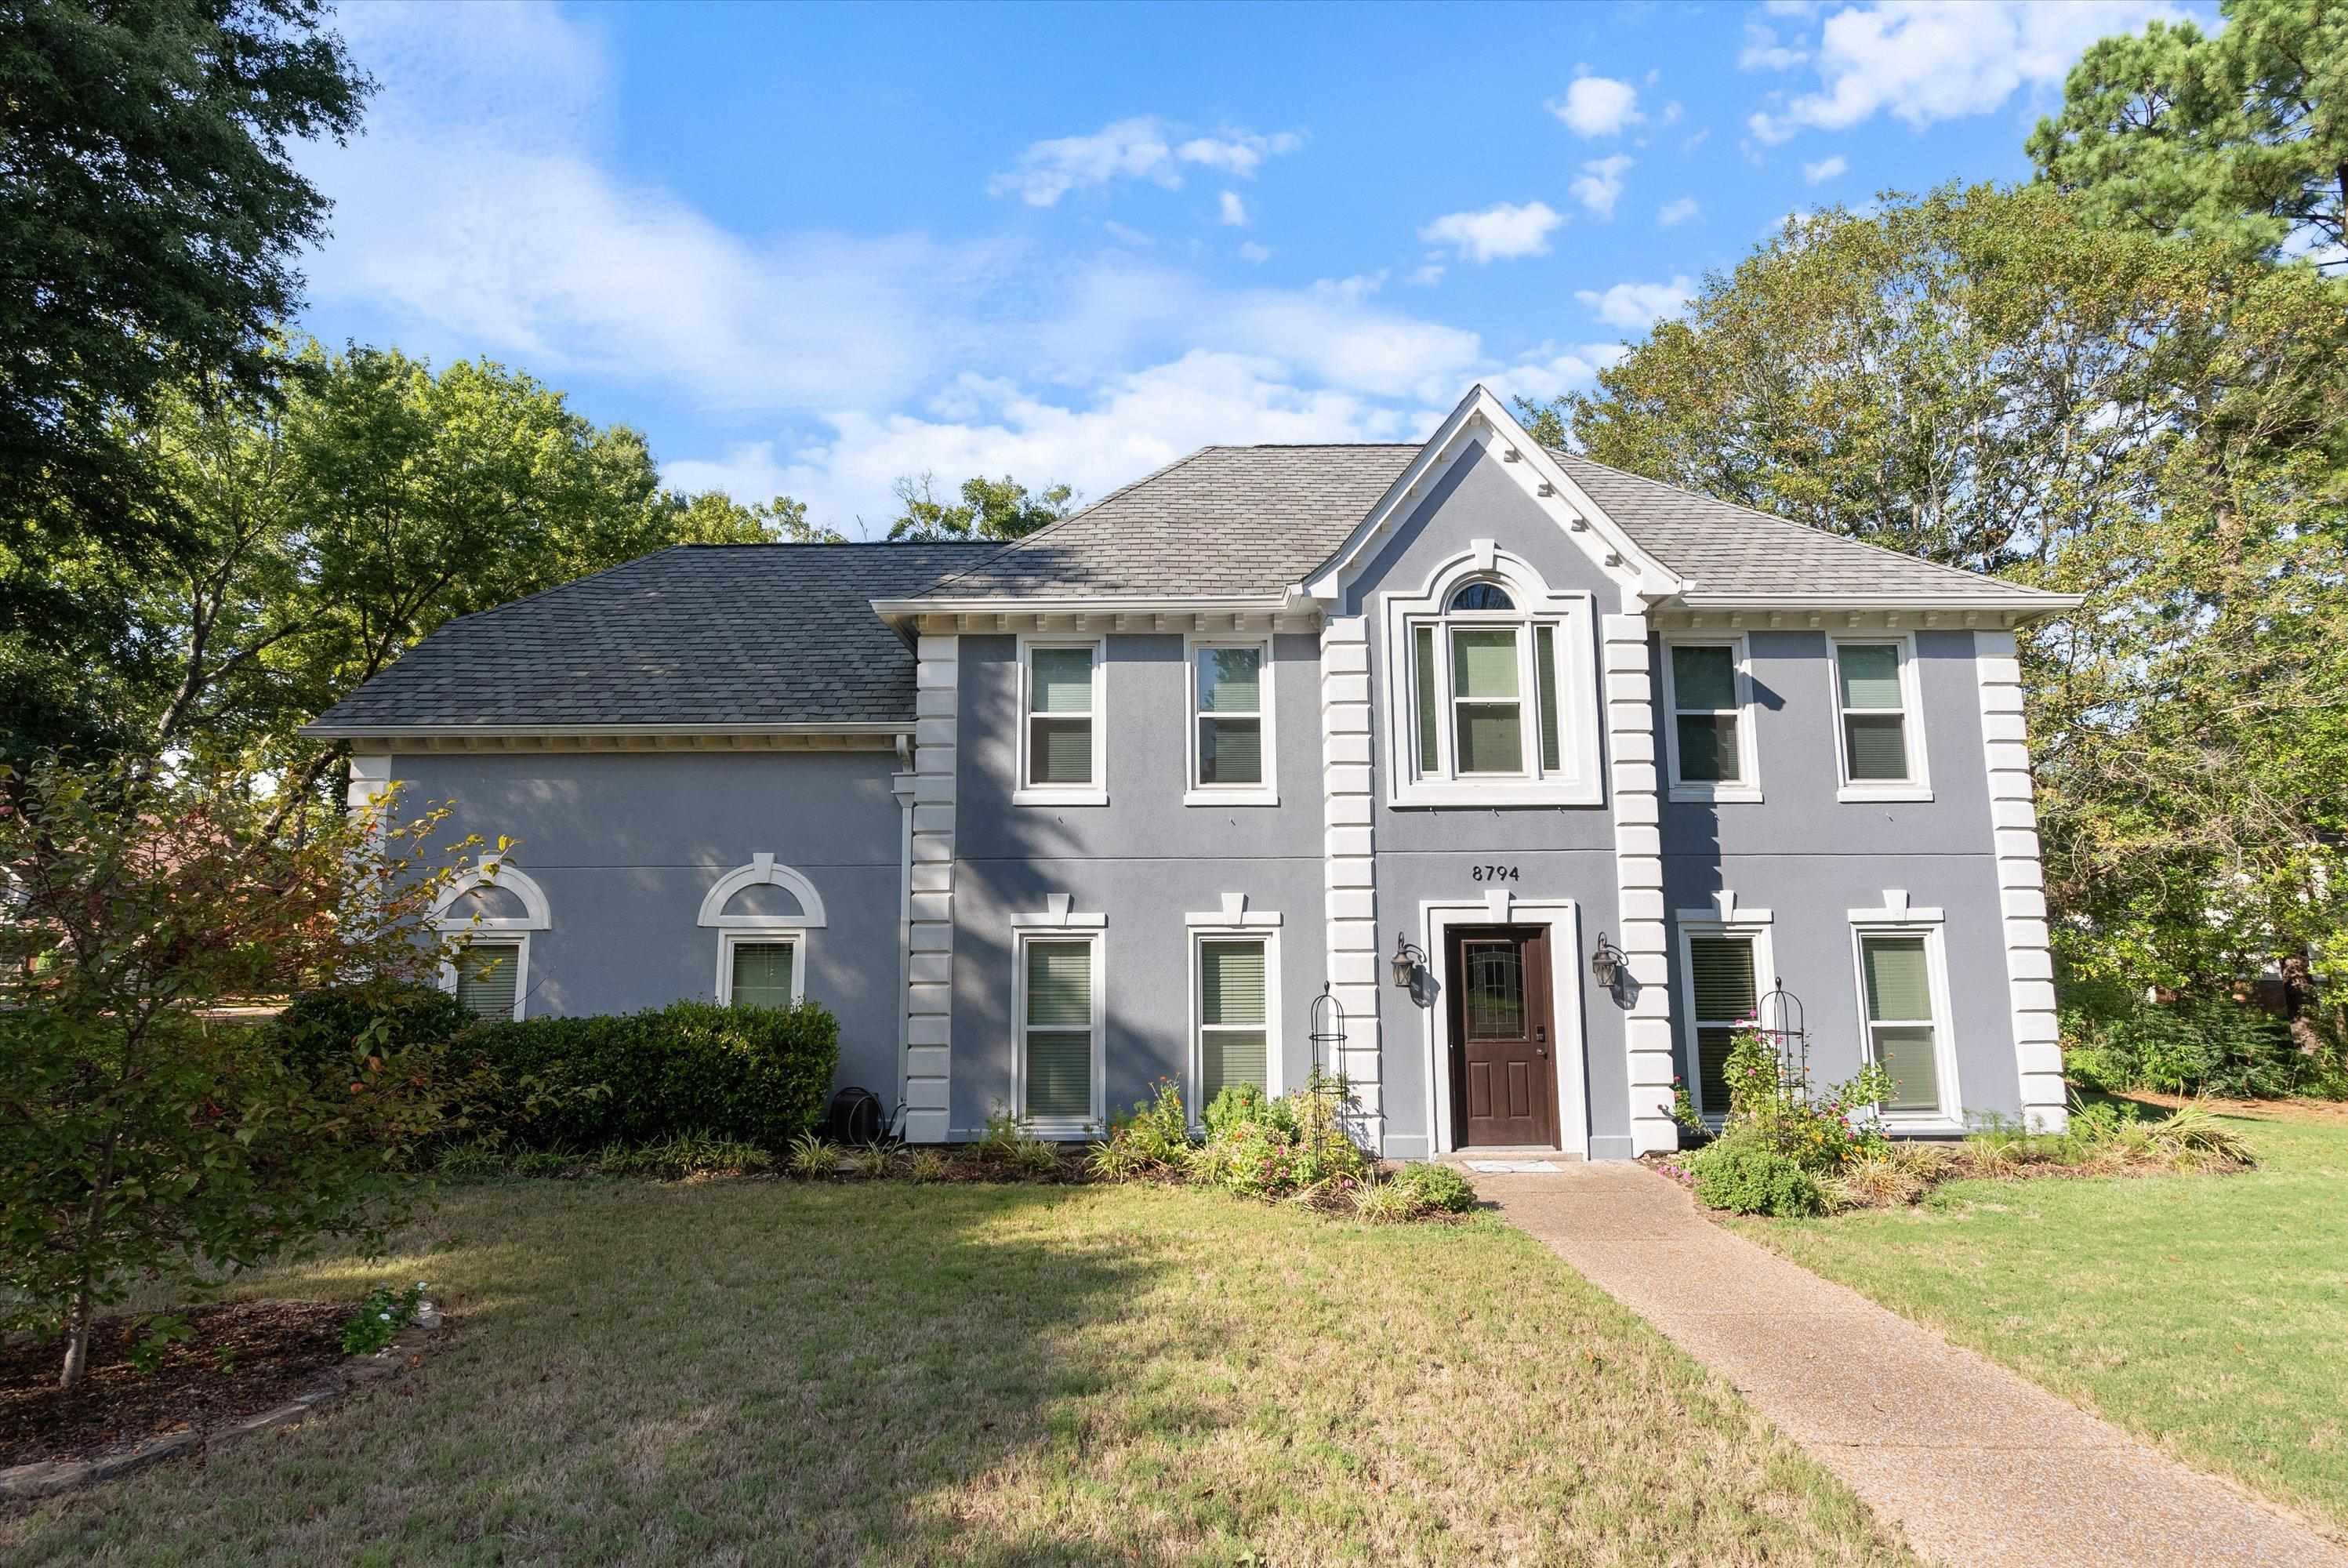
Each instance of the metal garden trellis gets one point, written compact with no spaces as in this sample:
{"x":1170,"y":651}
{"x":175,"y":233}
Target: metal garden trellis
{"x":1789,"y":1040}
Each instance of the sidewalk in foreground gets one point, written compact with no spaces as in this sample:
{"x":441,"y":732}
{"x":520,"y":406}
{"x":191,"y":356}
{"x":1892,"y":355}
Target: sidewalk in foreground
{"x":1972,"y":1463}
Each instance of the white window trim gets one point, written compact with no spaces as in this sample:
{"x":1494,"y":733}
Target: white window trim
{"x":1196,"y":793}
{"x":1725,"y":918}
{"x":784,"y":936}
{"x":1094,"y":793}
{"x":763,"y":870}
{"x":1499,"y":907}
{"x":1687,"y":792}
{"x":501,"y":936}
{"x":1918,"y":786}
{"x":1059,"y":923}
{"x":537,"y":914}
{"x":1897,"y":917}
{"x":1227,"y":925}
{"x":1577,"y":781}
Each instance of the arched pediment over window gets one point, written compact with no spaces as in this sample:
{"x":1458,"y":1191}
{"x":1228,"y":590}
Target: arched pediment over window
{"x":763,"y":871}
{"x":495,"y":895}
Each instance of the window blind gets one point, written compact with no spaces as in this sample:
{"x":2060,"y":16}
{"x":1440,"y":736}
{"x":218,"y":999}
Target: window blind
{"x":1059,"y":1041}
{"x":1545,"y":673}
{"x":1235,"y":1042}
{"x":1721,"y":977}
{"x":762,"y":974}
{"x":487,"y":973}
{"x":1899,"y":1019}
{"x":1425,"y":650}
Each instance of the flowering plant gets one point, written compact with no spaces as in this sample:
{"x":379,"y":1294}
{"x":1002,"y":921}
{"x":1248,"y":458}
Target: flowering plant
{"x":381,"y":1316}
{"x":1773,"y":1102}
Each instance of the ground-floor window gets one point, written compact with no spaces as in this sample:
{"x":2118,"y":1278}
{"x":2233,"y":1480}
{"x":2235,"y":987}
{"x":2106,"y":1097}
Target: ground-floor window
{"x":1723,"y":989}
{"x":1904,"y":1028}
{"x":1236,"y":1037}
{"x":490,"y":977}
{"x":1060,"y":1030}
{"x":760,"y":971}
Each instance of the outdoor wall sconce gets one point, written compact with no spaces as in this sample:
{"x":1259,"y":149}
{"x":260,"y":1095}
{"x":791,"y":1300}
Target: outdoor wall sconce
{"x":1407,"y":960}
{"x":1606,"y":962}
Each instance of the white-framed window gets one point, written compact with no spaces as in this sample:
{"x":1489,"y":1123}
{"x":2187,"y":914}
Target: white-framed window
{"x":1233,"y":755}
{"x":1727,"y":969}
{"x":759,"y":969}
{"x":1063,"y":690}
{"x":490,"y":975}
{"x":764,"y":914}
{"x":1234,"y":1005}
{"x":1057,"y":992}
{"x":1708,"y":733}
{"x":492,"y":908}
{"x":1879,"y":718}
{"x":1903,"y":1009}
{"x":1492,"y":689}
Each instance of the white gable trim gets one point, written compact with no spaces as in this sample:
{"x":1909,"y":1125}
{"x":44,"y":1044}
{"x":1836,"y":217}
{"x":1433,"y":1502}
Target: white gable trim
{"x":762,"y":872}
{"x":1482,"y":421}
{"x":497,"y":872}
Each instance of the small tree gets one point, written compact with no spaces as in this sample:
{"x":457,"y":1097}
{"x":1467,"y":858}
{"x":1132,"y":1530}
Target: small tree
{"x":142,"y":1138}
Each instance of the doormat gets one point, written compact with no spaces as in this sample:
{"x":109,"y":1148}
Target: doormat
{"x":1512,"y":1167}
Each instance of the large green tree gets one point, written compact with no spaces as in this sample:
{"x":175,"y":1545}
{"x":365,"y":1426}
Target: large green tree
{"x":2240,"y":135}
{"x":1987,"y":378}
{"x":150,"y":215}
{"x":989,"y":509}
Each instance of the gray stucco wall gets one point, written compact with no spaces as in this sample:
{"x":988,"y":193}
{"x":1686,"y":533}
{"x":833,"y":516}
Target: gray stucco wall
{"x":1809,"y":858}
{"x":627,"y":844}
{"x":1429,"y":853}
{"x":1144,"y":861}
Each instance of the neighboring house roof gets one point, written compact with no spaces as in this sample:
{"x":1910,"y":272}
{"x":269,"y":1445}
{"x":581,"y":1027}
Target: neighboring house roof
{"x":731,"y":636}
{"x":1223,"y":522}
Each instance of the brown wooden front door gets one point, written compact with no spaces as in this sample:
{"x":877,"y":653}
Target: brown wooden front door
{"x":1503,"y":1046}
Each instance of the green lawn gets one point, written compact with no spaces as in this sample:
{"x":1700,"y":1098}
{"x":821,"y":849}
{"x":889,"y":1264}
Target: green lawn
{"x":745,"y":1371}
{"x":2205,"y":1314}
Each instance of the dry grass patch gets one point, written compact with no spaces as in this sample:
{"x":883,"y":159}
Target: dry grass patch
{"x":889,"y":1373}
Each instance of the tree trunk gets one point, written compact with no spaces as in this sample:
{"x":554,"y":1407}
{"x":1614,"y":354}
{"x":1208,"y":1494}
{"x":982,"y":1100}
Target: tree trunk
{"x":76,"y":1342}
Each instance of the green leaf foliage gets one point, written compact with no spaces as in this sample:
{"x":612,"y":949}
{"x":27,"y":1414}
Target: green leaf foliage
{"x":2239,"y":136}
{"x":1743,"y":1177}
{"x":989,"y":509}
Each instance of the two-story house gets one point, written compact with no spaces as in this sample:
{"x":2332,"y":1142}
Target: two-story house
{"x":1545,"y":773}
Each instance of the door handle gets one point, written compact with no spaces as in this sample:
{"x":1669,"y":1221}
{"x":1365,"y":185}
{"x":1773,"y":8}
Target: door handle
{"x":1541,"y":1033}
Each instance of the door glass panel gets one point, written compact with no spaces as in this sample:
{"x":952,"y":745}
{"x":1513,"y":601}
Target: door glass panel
{"x":1493,"y":1001}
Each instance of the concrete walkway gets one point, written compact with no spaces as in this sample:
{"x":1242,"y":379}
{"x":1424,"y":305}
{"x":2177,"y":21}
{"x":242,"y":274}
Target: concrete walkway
{"x":1972,"y":1463}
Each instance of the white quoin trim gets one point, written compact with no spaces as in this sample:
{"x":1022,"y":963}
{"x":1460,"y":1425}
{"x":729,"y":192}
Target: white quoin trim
{"x":1639,"y":876}
{"x":764,"y":870}
{"x":1348,"y":868}
{"x":1482,"y":421}
{"x":497,"y":872}
{"x":2021,"y":884}
{"x":928,"y":892}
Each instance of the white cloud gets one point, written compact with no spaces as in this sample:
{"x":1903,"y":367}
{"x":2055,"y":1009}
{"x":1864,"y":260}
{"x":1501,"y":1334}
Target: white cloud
{"x":1143,"y":147}
{"x":1547,"y":372}
{"x":1124,"y":235}
{"x":1599,"y":184}
{"x":1673,"y":213}
{"x":1671,"y":112}
{"x":1234,"y":211}
{"x":1428,"y":275}
{"x":1638,"y":306}
{"x":1826,"y":168}
{"x":1598,"y":106}
{"x":1927,"y":60}
{"x":1763,"y":52}
{"x":1254,"y":253}
{"x":1497,"y":233}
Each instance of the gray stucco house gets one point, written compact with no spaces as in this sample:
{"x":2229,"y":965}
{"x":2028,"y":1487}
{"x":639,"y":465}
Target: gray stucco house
{"x":1044,"y":822}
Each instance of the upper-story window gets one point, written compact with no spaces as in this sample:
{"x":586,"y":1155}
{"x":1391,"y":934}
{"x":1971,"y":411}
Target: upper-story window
{"x":1708,"y":724}
{"x":1882,"y":738}
{"x":1498,"y":699}
{"x":1232,"y":750}
{"x":1061,"y":757}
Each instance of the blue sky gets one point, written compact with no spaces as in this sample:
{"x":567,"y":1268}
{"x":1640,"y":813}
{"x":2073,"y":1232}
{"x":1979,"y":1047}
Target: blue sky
{"x":808,"y":249}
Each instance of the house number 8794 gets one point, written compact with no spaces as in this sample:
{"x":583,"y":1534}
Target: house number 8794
{"x":1493,"y":873}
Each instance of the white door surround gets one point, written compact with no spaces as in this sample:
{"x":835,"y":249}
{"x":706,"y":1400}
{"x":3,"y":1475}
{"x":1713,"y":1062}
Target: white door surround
{"x":1562,"y":916}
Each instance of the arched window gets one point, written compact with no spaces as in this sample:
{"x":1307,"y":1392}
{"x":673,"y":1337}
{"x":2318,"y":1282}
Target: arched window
{"x":1494,"y":688}
{"x":491,"y":908}
{"x":762,"y":913}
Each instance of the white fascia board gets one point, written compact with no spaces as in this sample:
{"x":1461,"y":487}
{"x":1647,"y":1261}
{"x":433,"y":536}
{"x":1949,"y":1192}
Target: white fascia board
{"x":2022,"y":601}
{"x":1478,"y":412}
{"x":557,"y":731}
{"x":1091,"y":604}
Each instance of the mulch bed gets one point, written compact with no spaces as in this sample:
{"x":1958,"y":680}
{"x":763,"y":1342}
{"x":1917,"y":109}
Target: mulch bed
{"x":280,"y":1349}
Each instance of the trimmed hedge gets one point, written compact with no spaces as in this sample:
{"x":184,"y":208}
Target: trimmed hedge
{"x":320,"y":1026}
{"x":761,"y":1074}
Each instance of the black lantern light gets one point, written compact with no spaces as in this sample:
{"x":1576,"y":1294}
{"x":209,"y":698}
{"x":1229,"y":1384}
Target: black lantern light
{"x":1606,"y":962}
{"x":1407,"y":960}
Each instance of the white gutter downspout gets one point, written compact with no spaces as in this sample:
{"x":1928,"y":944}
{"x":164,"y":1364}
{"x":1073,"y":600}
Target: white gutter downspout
{"x":902,"y":786}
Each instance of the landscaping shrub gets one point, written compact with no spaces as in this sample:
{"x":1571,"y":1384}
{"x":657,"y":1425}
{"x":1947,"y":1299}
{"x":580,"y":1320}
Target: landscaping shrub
{"x":1437,"y":1188}
{"x":1744,"y":1176}
{"x":2208,"y":1044}
{"x":323,"y":1026}
{"x":1771,"y":1106}
{"x":1263,"y":1148}
{"x":759,"y":1075}
{"x":683,"y":1155}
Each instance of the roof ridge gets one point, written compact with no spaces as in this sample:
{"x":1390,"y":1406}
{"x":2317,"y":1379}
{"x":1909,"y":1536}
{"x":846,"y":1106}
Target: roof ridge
{"x":817,"y":544}
{"x":1966,"y":573}
{"x":1058,"y":523}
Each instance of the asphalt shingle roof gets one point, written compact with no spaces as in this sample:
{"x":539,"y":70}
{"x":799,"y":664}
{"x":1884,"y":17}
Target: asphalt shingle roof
{"x":1225,"y":521}
{"x":698,"y":634}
